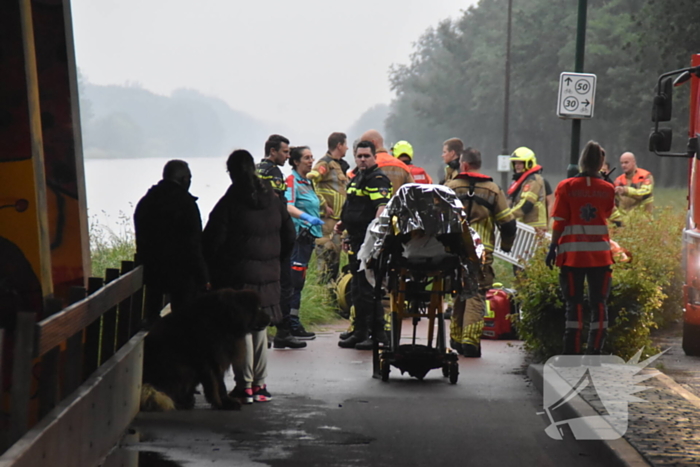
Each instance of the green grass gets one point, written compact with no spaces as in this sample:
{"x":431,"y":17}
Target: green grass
{"x":317,"y":301}
{"x":676,"y":198}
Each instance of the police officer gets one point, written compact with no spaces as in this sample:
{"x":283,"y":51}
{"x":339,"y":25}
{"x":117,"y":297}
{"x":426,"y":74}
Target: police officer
{"x":330,"y":181}
{"x":527,"y":193}
{"x":486,"y":207}
{"x":581,"y":249}
{"x":368,"y":193}
{"x":276,"y":154}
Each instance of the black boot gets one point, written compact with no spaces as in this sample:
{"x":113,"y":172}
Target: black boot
{"x":352,"y":341}
{"x":283,"y":339}
{"x":471,"y":350}
{"x":344,"y":335}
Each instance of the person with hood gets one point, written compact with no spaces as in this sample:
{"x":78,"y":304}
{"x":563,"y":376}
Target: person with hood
{"x":248,"y":231}
{"x":527,"y":192}
{"x":168,"y":230}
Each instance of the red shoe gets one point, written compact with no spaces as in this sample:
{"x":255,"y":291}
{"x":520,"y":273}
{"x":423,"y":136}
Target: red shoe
{"x":260,"y":394}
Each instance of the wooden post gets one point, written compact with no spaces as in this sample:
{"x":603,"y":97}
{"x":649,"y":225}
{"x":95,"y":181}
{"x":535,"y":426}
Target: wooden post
{"x":48,"y":377}
{"x":109,"y":322}
{"x":22,"y":375}
{"x":124,"y":313}
{"x":92,"y":334}
{"x":73,"y":366}
{"x":136,"y":320}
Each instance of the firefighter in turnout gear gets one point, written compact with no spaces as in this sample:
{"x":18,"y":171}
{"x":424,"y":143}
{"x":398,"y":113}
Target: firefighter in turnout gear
{"x":399,"y":173}
{"x":403,"y":151}
{"x":329,"y":181}
{"x":581,"y":249}
{"x":451,"y":152}
{"x":368,"y":193}
{"x":487,"y":208}
{"x":527,"y":194}
{"x":635,"y":187}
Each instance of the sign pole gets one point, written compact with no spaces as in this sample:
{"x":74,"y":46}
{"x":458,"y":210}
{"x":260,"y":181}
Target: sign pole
{"x":506,"y":99}
{"x":572,"y":170}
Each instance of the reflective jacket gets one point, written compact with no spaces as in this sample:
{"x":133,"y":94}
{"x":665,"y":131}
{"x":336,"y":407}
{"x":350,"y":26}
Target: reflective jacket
{"x":486,"y":207}
{"x":638,"y":190}
{"x":368,"y":190}
{"x":527,"y":198}
{"x":398,"y":172}
{"x":271,"y":173}
{"x":419,"y":174}
{"x":582,"y":207}
{"x":329,"y":180}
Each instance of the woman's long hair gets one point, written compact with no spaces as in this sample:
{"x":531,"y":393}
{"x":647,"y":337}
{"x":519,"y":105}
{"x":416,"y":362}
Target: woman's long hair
{"x":246,"y":183}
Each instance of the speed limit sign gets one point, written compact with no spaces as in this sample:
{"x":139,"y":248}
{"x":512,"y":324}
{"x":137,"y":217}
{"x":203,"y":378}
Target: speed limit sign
{"x":576,"y":95}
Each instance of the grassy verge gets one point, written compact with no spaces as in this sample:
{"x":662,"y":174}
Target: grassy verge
{"x":317,"y":301}
{"x":109,"y":248}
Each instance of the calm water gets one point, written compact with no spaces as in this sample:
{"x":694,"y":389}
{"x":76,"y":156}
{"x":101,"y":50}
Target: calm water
{"x":114,"y":186}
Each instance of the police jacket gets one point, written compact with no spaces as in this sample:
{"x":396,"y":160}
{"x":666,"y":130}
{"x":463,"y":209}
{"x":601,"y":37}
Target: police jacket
{"x":168,"y":229}
{"x":582,"y":207}
{"x":638,"y":190}
{"x":486,"y":208}
{"x":527,"y":197}
{"x":271,"y":173}
{"x":368,"y":190}
{"x":330,"y":183}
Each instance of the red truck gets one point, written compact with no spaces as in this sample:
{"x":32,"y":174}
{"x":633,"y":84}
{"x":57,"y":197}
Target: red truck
{"x":660,"y":143}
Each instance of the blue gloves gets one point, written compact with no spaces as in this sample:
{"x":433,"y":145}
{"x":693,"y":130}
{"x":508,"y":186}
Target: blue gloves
{"x":551,"y":256}
{"x":311,"y":219}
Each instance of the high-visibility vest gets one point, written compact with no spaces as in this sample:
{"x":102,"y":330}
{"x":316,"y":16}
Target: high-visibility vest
{"x":582,"y":207}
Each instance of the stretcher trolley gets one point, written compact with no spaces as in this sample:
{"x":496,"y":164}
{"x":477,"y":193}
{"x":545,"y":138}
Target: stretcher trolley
{"x":420,"y":250}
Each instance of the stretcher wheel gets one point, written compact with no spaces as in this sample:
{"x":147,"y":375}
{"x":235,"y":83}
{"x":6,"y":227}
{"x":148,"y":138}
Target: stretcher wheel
{"x":385,"y":370}
{"x":446,"y":370}
{"x":454,"y":373}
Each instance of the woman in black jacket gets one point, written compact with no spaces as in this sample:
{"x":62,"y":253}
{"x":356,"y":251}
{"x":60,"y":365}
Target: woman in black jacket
{"x":248,"y":231}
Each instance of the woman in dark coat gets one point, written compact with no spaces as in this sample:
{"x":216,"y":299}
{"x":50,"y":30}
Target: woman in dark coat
{"x":248,"y":230}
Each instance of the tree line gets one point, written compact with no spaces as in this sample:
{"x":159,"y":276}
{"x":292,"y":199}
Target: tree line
{"x":454,"y":83}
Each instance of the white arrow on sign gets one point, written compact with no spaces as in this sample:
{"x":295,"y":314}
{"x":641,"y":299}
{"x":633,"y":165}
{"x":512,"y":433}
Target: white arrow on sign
{"x":576,"y":95}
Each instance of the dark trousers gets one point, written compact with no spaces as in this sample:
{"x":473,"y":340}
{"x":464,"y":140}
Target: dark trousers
{"x":369,"y":313}
{"x":571,"y":281}
{"x":303,"y":248}
{"x":286,"y":291}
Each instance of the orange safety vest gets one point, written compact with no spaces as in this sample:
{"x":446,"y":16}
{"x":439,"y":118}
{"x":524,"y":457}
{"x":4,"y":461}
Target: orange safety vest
{"x":420,"y":175}
{"x":582,"y":207}
{"x":640,"y":175}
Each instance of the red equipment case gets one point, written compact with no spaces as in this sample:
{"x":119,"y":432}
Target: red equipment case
{"x":500,"y":305}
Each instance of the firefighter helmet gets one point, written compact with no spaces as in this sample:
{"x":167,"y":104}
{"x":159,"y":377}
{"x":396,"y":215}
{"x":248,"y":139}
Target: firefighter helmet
{"x":403,"y":148}
{"x":525,"y":155}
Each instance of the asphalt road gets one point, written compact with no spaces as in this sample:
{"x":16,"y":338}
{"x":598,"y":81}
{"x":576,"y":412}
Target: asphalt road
{"x":327,"y":410}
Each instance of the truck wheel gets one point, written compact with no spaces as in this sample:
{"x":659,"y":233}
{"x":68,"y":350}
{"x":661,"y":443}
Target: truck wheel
{"x":691,"y":339}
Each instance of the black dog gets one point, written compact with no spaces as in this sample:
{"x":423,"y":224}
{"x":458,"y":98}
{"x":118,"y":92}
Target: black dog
{"x":198,"y":346}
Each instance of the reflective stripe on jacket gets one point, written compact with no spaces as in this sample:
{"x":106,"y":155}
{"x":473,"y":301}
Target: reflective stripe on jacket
{"x":330,"y":183}
{"x":530,"y":187}
{"x":638,"y":190}
{"x":582,"y":207}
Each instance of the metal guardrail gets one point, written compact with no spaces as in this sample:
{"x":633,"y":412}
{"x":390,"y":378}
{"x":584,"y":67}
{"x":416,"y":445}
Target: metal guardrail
{"x":524,"y":247}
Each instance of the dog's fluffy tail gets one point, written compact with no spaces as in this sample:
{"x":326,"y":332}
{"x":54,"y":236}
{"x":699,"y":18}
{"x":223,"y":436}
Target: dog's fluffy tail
{"x":153,"y":400}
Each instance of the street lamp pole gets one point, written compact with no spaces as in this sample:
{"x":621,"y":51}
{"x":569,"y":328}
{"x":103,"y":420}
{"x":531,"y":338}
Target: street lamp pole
{"x":572,"y":170}
{"x":506,"y":99}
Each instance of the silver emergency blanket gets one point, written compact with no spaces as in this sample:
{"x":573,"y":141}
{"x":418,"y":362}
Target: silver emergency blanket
{"x":421,"y":215}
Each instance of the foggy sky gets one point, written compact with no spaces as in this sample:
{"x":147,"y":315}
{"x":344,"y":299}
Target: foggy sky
{"x":311,"y":65}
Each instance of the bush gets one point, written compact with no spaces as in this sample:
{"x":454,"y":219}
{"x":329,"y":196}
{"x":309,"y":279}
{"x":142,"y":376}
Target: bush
{"x":646,"y":292}
{"x":109,"y":248}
